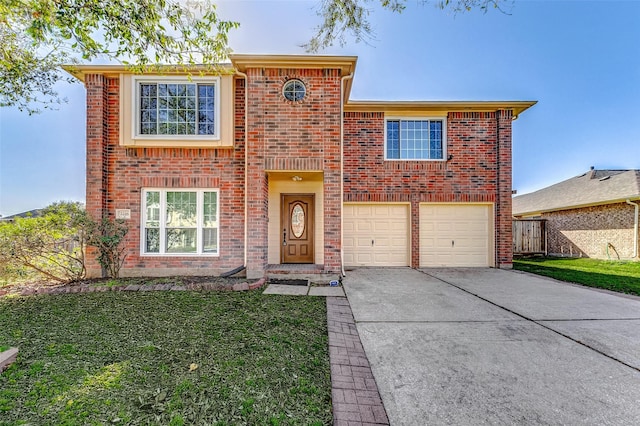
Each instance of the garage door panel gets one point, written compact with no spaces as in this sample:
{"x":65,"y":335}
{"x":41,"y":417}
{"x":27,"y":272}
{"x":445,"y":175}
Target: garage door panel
{"x":363,"y":243}
{"x":364,"y":226}
{"x":380,"y":233}
{"x":381,"y":226}
{"x":399,"y":243}
{"x":454,"y":235}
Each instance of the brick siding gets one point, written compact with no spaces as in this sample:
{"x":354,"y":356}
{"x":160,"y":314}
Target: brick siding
{"x":286,"y":135}
{"x":301,"y":136}
{"x":480,"y":170}
{"x":602,"y":232}
{"x":116,"y":175}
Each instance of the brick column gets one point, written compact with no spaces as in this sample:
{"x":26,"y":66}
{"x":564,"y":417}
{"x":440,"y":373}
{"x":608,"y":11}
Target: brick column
{"x":332,"y":221}
{"x":330,"y":134}
{"x":415,"y":230}
{"x":97,"y":134}
{"x":257,"y":182}
{"x":504,"y":238}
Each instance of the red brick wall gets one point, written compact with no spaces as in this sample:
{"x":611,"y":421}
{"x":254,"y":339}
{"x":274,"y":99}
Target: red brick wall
{"x":97,"y":136}
{"x":286,"y":135}
{"x":480,"y":170}
{"x":116,"y":175}
{"x":504,"y":225}
{"x":282,"y":135}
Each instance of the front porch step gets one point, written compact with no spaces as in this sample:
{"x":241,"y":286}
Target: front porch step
{"x":314,"y":273}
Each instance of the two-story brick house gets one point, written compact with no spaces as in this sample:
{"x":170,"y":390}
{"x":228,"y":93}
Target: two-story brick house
{"x":273,"y":164}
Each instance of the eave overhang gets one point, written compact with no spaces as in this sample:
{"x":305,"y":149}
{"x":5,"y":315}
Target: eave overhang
{"x":81,"y":71}
{"x":346,"y":64}
{"x":517,"y":107}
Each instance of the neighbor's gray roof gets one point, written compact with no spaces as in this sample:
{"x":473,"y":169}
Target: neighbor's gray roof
{"x":30,"y":213}
{"x":592,"y":188}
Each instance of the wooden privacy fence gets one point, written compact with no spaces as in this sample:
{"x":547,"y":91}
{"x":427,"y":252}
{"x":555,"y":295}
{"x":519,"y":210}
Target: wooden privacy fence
{"x":529,"y":236}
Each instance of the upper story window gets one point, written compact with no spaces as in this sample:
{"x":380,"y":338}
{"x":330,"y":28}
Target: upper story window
{"x":294,"y":90}
{"x":415,"y":139}
{"x":169,"y":107}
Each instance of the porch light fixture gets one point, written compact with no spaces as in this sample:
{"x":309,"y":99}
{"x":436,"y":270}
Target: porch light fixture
{"x":296,"y":178}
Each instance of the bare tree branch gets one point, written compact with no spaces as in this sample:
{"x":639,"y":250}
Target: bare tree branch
{"x":349,"y":19}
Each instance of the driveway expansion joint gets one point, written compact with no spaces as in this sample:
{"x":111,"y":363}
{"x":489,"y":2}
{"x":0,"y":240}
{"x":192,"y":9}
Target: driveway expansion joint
{"x":496,"y":321}
{"x":354,"y":392}
{"x":539,"y":322}
{"x":582,"y":319}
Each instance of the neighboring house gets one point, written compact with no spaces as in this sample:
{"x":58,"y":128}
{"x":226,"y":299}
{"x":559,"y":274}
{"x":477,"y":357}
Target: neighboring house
{"x":591,"y":215}
{"x":273,"y":164}
{"x":30,"y":213}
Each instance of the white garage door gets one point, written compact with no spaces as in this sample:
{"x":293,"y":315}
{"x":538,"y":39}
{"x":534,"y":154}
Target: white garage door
{"x":376,"y":234}
{"x":455,"y":235}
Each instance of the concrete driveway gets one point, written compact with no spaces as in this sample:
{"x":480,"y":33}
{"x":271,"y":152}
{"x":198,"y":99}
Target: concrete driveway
{"x":487,"y":346}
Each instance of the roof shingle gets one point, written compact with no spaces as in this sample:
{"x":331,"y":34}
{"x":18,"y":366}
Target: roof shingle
{"x":592,"y":188}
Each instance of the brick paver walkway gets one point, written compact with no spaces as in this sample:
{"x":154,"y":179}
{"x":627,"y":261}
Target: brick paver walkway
{"x":356,"y":400}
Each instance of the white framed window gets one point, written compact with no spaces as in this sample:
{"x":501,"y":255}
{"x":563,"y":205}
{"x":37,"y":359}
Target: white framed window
{"x":176,"y":107}
{"x":415,"y":138}
{"x":178,"y":222}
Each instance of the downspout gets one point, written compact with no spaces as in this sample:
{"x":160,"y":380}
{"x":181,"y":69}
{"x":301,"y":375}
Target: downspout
{"x":246,"y":227}
{"x":342,"y":83}
{"x":635,"y":228}
{"x":498,"y":204}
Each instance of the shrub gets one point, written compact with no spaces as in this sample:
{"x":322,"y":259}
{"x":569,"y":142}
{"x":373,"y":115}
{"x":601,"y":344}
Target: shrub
{"x":107,"y":236}
{"x":52,"y":244}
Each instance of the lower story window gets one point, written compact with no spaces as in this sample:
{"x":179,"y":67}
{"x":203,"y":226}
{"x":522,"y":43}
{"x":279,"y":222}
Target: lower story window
{"x":180,"y":222}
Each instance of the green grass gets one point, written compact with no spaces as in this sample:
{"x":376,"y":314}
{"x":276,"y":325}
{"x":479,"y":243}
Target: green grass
{"x":166,"y":358}
{"x":623,"y":277}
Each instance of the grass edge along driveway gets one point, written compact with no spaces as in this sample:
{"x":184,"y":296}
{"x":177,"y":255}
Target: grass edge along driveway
{"x":622,"y":277}
{"x":167,"y":358}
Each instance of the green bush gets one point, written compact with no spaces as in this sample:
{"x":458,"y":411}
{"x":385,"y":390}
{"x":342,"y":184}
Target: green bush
{"x":54,"y":244}
{"x":107,"y":236}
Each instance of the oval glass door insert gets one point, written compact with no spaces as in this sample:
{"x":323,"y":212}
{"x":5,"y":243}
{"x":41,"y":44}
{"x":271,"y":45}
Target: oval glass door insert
{"x":297,"y":221}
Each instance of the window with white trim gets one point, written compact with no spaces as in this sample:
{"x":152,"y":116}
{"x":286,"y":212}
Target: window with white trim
{"x":176,"y":107}
{"x":180,"y":222}
{"x":415,"y":139}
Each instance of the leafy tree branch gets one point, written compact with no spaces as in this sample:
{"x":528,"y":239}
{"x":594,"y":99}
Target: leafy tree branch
{"x":37,"y":36}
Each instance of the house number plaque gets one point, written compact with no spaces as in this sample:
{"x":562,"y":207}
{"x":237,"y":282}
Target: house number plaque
{"x":123,"y":214}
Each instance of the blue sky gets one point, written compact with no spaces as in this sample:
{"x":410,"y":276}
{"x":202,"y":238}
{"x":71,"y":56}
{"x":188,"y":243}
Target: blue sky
{"x":579,"y":59}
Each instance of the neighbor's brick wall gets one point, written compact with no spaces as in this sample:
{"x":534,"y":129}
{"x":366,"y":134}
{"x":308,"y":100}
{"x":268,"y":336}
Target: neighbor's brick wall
{"x":292,"y":136}
{"x":480,"y":170}
{"x":587,"y":232}
{"x":116,"y":175}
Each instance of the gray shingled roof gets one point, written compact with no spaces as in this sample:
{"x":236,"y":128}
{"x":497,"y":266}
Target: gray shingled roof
{"x":30,"y":213}
{"x":592,"y":188}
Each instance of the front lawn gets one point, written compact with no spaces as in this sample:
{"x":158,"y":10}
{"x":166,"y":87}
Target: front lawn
{"x":623,"y":277}
{"x":166,"y":358}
